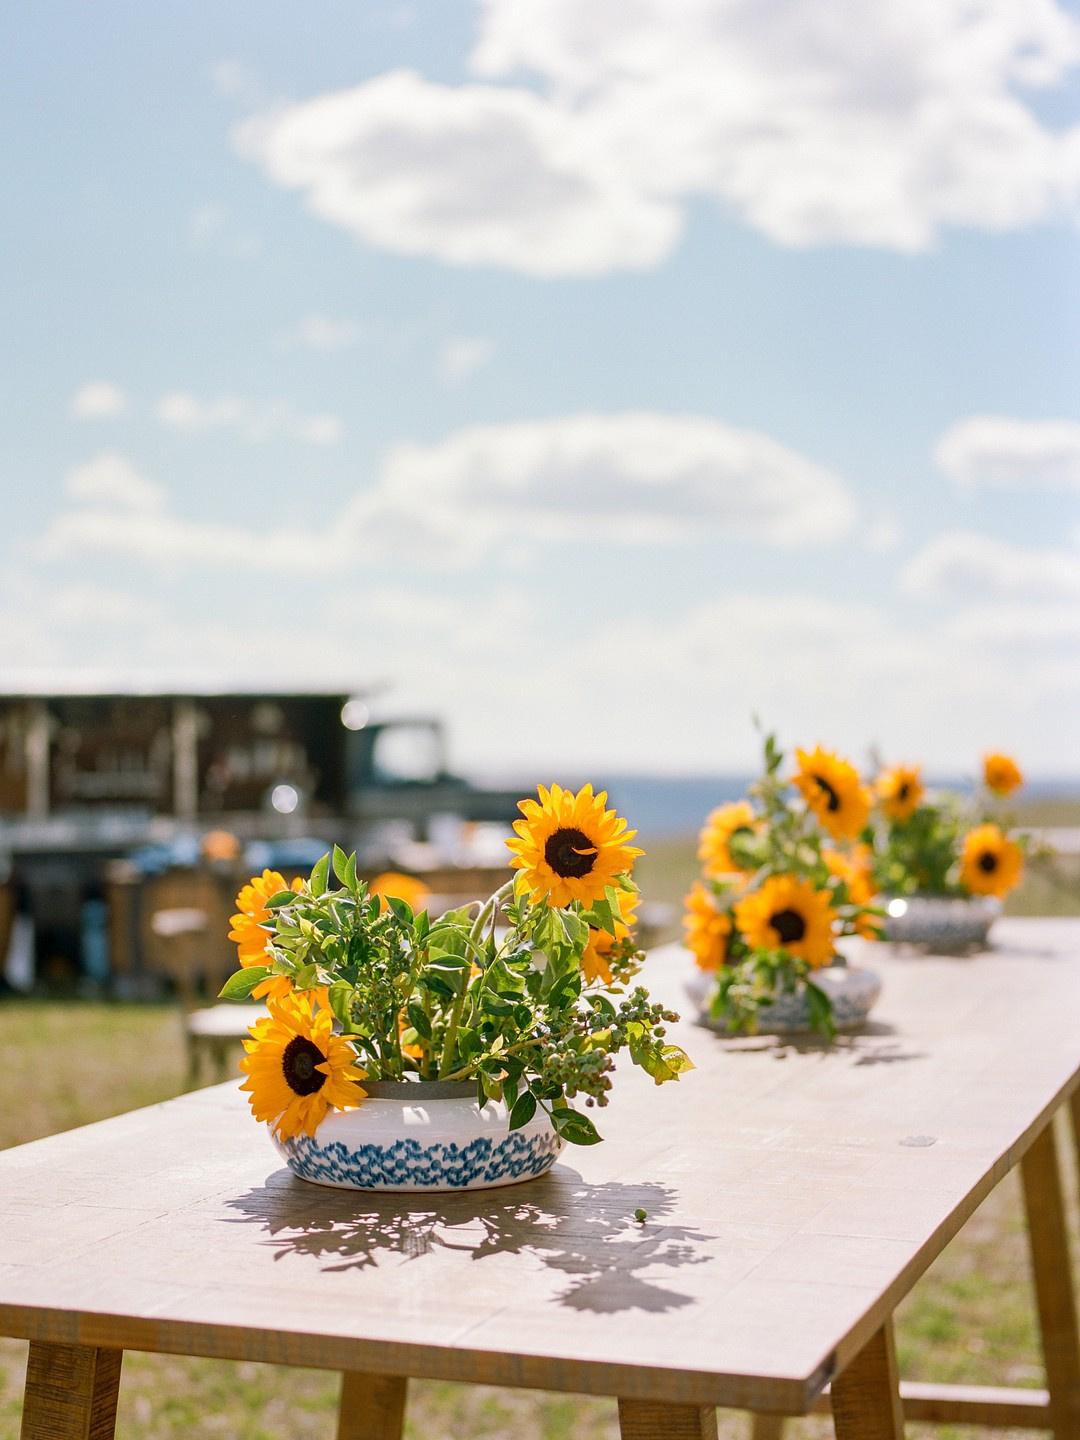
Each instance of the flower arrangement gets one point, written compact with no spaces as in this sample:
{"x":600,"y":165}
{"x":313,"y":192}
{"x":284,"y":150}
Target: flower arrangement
{"x":525,"y":995}
{"x":945,"y":845}
{"x":785,"y":876}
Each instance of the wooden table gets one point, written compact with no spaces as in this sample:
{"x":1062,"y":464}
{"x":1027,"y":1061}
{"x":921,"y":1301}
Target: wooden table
{"x":794,"y":1196}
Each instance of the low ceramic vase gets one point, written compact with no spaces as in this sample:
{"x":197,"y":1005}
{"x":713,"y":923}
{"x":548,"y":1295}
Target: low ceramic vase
{"x":852,"y":990}
{"x":941,"y":922}
{"x":422,"y":1135}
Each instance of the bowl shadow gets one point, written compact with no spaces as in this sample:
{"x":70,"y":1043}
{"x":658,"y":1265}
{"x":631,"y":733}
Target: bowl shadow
{"x":586,"y":1231}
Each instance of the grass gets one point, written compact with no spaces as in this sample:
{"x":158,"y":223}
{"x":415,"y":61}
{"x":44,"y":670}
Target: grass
{"x":970,"y":1320}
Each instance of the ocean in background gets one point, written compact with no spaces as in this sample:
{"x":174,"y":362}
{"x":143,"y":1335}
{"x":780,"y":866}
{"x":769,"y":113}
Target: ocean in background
{"x":663,"y":805}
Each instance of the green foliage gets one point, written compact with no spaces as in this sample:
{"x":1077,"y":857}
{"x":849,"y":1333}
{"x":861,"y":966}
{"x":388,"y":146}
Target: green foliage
{"x":787,"y":840}
{"x":921,"y":855}
{"x":498,"y":997}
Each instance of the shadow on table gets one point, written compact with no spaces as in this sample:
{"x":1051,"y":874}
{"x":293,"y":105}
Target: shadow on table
{"x":586,"y":1231}
{"x":874,"y":1043}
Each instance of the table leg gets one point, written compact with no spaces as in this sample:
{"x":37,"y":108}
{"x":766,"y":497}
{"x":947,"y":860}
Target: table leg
{"x":1054,"y":1294}
{"x":650,"y":1420}
{"x":71,"y":1392}
{"x":866,"y":1396}
{"x":767,"y":1427}
{"x":372,"y":1406}
{"x":1074,"y":1116}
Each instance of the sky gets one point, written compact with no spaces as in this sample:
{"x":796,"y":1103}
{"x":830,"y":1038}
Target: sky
{"x":594,"y":376}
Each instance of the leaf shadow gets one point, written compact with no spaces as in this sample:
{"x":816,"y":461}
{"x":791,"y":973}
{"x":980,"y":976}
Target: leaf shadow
{"x":585,"y":1231}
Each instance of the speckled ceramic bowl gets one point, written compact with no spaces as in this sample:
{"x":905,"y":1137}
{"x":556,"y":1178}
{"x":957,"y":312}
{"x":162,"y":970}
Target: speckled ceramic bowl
{"x":422,"y":1136}
{"x":941,"y":922}
{"x":852,"y":990}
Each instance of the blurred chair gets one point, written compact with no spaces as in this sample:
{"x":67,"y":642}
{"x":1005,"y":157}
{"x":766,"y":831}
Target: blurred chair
{"x":210,"y":1030}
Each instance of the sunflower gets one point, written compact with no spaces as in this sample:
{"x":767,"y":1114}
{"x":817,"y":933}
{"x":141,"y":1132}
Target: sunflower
{"x":391,"y":885}
{"x":707,"y":928}
{"x":833,"y":791}
{"x":856,"y":870}
{"x":990,"y":863}
{"x":723,"y":824}
{"x":251,"y":933}
{"x":900,"y":791}
{"x":1001,"y":774}
{"x":297,"y":1068}
{"x":569,"y":847}
{"x":788,"y":913}
{"x":594,"y":958}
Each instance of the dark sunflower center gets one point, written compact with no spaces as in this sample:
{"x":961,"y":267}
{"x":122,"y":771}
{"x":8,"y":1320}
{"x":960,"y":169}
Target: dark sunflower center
{"x":903,"y":791}
{"x":789,"y":925}
{"x":988,"y":862}
{"x":298,"y":1062}
{"x":831,"y":796}
{"x":570,"y":853}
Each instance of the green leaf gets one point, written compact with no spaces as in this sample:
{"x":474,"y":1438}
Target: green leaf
{"x":523,"y":1111}
{"x":401,"y":908}
{"x":601,"y":916}
{"x":341,"y":864}
{"x":421,"y":927}
{"x":283,"y":897}
{"x":821,"y":1010}
{"x":320,"y":874}
{"x":240,"y":985}
{"x":492,"y":1004}
{"x":438,"y":986}
{"x":419,"y":1020}
{"x":341,"y":995}
{"x":573,"y":1127}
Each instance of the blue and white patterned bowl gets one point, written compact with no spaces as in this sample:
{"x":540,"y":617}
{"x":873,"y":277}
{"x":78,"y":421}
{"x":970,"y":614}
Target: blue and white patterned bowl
{"x":422,"y":1136}
{"x":941,"y":922}
{"x":852,"y":990}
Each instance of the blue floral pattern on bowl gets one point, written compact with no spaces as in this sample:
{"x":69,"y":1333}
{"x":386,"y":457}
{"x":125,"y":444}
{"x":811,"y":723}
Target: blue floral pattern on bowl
{"x":410,"y":1165}
{"x":418,"y":1136}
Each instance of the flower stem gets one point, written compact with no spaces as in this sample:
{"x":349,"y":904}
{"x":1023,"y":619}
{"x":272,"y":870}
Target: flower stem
{"x":487,"y":911}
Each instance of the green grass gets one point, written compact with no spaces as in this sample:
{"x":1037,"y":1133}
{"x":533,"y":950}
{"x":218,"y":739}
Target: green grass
{"x":970,"y":1320}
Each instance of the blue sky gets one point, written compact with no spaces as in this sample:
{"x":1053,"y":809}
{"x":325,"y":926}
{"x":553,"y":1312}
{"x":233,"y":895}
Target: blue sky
{"x":593,"y":382}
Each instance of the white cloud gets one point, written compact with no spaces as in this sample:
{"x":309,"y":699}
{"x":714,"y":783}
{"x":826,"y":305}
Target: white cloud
{"x":183,"y":411}
{"x":960,"y":565}
{"x":462,"y":356}
{"x":474,"y":175}
{"x":164,"y":541}
{"x":98,"y":400}
{"x":638,"y":477}
{"x":1007,"y":454}
{"x":838,"y":122}
{"x":112,"y":480}
{"x":882,"y":533}
{"x":1011,"y":627}
{"x":323,"y":332}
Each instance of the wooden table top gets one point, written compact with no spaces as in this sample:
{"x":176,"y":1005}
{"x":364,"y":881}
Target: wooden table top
{"x":793,"y":1196}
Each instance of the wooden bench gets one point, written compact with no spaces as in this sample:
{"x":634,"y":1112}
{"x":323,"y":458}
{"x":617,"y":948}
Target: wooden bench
{"x":794,"y":1196}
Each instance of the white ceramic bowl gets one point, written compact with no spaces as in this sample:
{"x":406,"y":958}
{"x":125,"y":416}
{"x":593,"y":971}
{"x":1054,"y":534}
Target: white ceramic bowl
{"x":852,"y":990}
{"x":941,"y":922}
{"x":422,"y":1136}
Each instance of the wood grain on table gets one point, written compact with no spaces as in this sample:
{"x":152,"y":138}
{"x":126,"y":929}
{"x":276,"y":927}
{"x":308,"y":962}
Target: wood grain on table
{"x":794,"y":1194}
